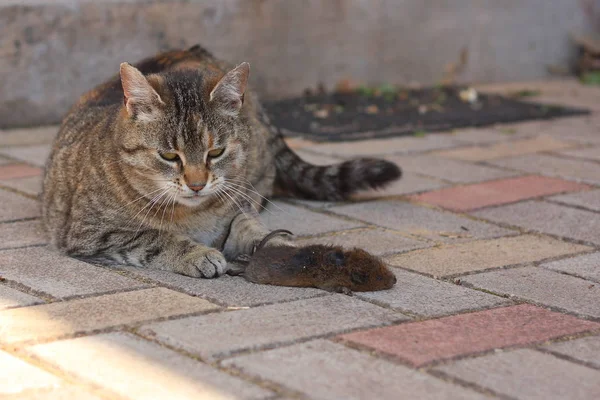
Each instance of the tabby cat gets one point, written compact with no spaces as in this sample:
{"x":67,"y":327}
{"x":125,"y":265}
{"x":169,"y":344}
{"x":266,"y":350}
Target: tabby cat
{"x":165,"y":166}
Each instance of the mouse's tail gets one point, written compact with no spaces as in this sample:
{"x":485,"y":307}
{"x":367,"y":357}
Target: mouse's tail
{"x":298,"y":178}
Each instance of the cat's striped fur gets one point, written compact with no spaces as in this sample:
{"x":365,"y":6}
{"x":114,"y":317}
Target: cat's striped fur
{"x":118,"y":183}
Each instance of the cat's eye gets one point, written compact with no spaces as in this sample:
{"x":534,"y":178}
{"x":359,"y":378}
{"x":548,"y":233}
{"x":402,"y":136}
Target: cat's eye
{"x":214,"y":153}
{"x":169,"y":156}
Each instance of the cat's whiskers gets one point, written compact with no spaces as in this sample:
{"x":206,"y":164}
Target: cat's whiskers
{"x":248,"y":197}
{"x":238,"y":181}
{"x":150,"y":203}
{"x":150,"y":209}
{"x":224,"y":191}
{"x":139,"y":198}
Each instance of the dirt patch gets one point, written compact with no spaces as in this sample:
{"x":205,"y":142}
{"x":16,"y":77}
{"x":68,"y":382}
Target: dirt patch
{"x":369,"y":114}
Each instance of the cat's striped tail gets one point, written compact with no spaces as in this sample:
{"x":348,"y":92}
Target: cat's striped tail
{"x":299,"y":178}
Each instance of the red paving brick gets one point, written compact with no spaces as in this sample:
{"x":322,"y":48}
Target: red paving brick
{"x":14,"y":171}
{"x":470,"y":197}
{"x":420,"y":343}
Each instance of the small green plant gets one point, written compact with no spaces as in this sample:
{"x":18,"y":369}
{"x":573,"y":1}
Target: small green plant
{"x":591,"y":78}
{"x":419,"y":133}
{"x":508,"y":131}
{"x":525,"y":93}
{"x":365,"y":91}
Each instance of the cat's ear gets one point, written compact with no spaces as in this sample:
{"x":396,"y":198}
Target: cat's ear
{"x":141,"y":100}
{"x":228,"y":94}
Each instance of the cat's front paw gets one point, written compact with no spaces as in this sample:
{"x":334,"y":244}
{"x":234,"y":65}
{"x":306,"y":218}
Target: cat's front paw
{"x":205,"y":263}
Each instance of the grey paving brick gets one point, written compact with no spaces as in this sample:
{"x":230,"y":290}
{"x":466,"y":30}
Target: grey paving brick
{"x":479,"y":135}
{"x":57,"y":319}
{"x":36,"y":155}
{"x":15,"y":207}
{"x":589,"y":200}
{"x":579,"y":170}
{"x":478,"y":255}
{"x":138,"y":369}
{"x":22,"y":233}
{"x":17,"y":376}
{"x":302,"y":221}
{"x":586,"y":266}
{"x":409,"y":183}
{"x":344,"y":373}
{"x":421,"y":221}
{"x":529,"y":375}
{"x":589,"y":153}
{"x":31,"y":185}
{"x":59,"y":276}
{"x":60,"y":393}
{"x":542,"y":286}
{"x":28,"y":136}
{"x":10,"y":298}
{"x":376,"y":241}
{"x":222,"y":334}
{"x":429,"y":297}
{"x":451,"y":170}
{"x":386,"y":146}
{"x":506,"y":149}
{"x":548,"y":218}
{"x":316,"y":158}
{"x":585,"y":349}
{"x":228,"y":290}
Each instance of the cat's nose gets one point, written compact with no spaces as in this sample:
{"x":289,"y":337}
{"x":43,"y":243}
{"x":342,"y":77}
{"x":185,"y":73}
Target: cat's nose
{"x":196,"y":187}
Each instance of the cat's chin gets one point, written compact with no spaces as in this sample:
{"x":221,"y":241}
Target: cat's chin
{"x":191,"y":201}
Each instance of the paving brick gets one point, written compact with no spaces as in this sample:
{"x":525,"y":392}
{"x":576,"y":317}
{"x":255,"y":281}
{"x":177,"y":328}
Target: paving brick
{"x":219,"y":335}
{"x":17,"y":171}
{"x":316,"y":158}
{"x":409,"y":183}
{"x":59,"y":276}
{"x":589,"y":153}
{"x":85,"y":315}
{"x":420,"y":221}
{"x":548,"y":218}
{"x":22,"y":233}
{"x":228,"y":290}
{"x":579,"y":170}
{"x":506,"y":149}
{"x":420,"y":343}
{"x":429,"y":297}
{"x":450,"y":170}
{"x":585,"y":349}
{"x":10,"y":298}
{"x":302,"y":221}
{"x":61,"y":393}
{"x":15,"y":207}
{"x":483,"y":254}
{"x":137,"y":369}
{"x":17,"y":376}
{"x":586,"y":266}
{"x":376,"y":241}
{"x":529,"y":375}
{"x":386,"y":146}
{"x":479,"y":136}
{"x":31,"y":185}
{"x":36,"y":155}
{"x":28,"y":136}
{"x":471,"y":197}
{"x":589,"y":200}
{"x":344,"y":373}
{"x":542,"y":286}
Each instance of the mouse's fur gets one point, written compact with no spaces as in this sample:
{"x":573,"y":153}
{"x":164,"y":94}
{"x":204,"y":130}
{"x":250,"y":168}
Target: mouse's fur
{"x":325,"y":267}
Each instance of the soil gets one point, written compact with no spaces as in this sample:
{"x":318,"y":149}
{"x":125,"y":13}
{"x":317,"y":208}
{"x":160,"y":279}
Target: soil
{"x":359,"y":115}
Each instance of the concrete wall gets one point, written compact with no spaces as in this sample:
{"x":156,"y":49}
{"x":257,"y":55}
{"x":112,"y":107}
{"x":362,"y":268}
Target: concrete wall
{"x":51,"y":51}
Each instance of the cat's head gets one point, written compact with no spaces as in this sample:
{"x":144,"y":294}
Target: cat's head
{"x":184,"y":133}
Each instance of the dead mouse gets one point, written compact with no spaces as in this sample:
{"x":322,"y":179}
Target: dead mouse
{"x":321,"y":266}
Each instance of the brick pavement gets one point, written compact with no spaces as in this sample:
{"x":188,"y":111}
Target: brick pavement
{"x":493,"y":236}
